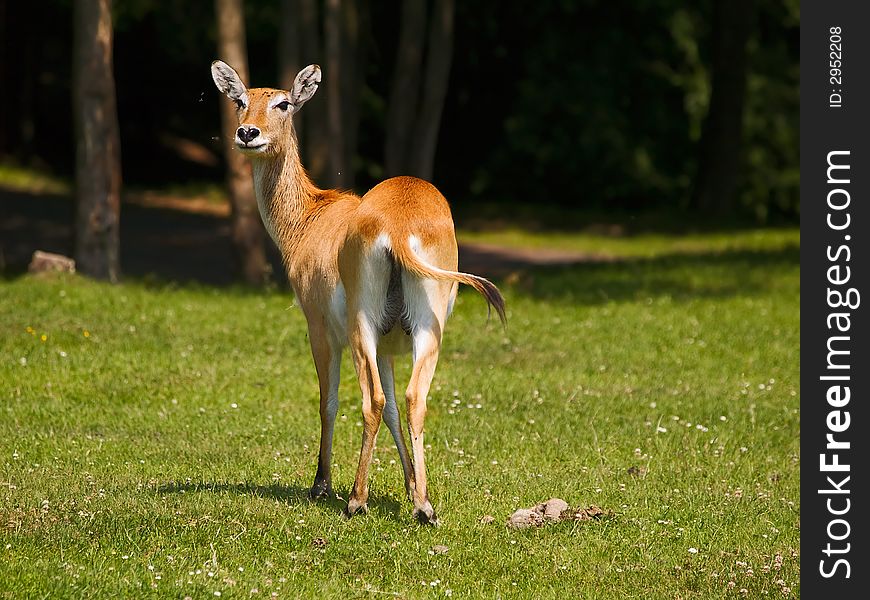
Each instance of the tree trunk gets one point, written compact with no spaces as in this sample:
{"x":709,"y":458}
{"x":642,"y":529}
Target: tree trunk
{"x":312,"y":120}
{"x":4,"y":75}
{"x":402,"y":104}
{"x":352,"y":69}
{"x":289,"y":44}
{"x":439,"y":55}
{"x":721,"y":141}
{"x":247,"y":229}
{"x":327,"y":128}
{"x":98,"y":145}
{"x":290,"y":55}
{"x":337,"y":174}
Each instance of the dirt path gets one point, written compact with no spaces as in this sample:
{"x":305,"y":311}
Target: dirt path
{"x":190,"y":241}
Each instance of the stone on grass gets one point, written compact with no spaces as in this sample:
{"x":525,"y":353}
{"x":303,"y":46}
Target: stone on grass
{"x":47,"y":262}
{"x":525,"y":517}
{"x":553,"y":510}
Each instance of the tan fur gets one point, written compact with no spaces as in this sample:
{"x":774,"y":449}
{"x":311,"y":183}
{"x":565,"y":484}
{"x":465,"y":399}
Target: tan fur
{"x":330,"y":239}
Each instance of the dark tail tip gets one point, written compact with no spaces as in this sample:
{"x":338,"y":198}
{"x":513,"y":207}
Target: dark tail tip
{"x":494,"y":299}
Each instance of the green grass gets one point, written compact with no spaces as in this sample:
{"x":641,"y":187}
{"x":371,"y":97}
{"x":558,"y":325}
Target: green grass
{"x":24,"y":179}
{"x":214,"y":193}
{"x":641,"y":245}
{"x":17,"y":178}
{"x":159,"y":440}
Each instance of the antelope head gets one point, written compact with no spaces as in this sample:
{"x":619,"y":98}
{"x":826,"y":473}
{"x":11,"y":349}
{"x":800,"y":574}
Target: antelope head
{"x":265,"y":114}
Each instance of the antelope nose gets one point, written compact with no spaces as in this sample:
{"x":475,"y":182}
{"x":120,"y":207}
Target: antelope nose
{"x":246,"y":134}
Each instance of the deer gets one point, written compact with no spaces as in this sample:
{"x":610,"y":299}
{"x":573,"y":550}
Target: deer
{"x":376,"y":273}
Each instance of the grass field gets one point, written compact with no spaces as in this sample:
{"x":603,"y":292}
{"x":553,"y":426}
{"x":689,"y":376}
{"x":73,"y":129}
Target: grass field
{"x":642,"y":245}
{"x":159,"y":440}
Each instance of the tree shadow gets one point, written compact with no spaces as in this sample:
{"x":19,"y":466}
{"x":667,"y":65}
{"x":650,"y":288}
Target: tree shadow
{"x":287,"y":494}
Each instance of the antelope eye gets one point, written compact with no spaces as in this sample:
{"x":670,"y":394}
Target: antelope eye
{"x":283,"y":105}
{"x":239,"y":103}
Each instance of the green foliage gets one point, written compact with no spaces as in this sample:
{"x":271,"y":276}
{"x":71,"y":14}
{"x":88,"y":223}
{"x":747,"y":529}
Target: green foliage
{"x":609,"y":101}
{"x":772,"y":176}
{"x":597,"y":116}
{"x":159,"y":440}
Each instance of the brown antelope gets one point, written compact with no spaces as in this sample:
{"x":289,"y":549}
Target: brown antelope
{"x":377,"y":273}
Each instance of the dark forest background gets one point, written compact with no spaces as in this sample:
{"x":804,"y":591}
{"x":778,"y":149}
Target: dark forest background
{"x":588,"y":104}
{"x":544,"y":114}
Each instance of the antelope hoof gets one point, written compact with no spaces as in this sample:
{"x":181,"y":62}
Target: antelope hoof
{"x":426,"y":515}
{"x":355,"y":507}
{"x":320,"y":490}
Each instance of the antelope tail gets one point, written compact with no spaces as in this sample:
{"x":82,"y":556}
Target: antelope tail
{"x":409,"y":261}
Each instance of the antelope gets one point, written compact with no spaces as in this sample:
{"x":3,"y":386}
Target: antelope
{"x":377,"y":273}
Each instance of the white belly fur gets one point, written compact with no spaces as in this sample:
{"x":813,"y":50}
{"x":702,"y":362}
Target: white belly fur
{"x":394,"y":342}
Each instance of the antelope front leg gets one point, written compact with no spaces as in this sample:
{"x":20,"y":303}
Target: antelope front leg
{"x":328,"y":364}
{"x":373,"y":401}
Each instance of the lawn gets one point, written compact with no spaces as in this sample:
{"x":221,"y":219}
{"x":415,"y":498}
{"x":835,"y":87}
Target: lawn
{"x":159,"y":440}
{"x":637,"y":245}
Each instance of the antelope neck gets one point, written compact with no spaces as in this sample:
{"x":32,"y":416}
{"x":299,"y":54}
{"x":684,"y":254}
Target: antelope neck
{"x":284,"y":193}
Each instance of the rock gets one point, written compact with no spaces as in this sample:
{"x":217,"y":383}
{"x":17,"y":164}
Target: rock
{"x":43,"y":262}
{"x":553,"y":508}
{"x":525,"y":517}
{"x":439,"y":549}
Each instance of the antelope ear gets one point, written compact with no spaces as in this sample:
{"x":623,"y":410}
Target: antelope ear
{"x":304,"y":86}
{"x":228,"y":81}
